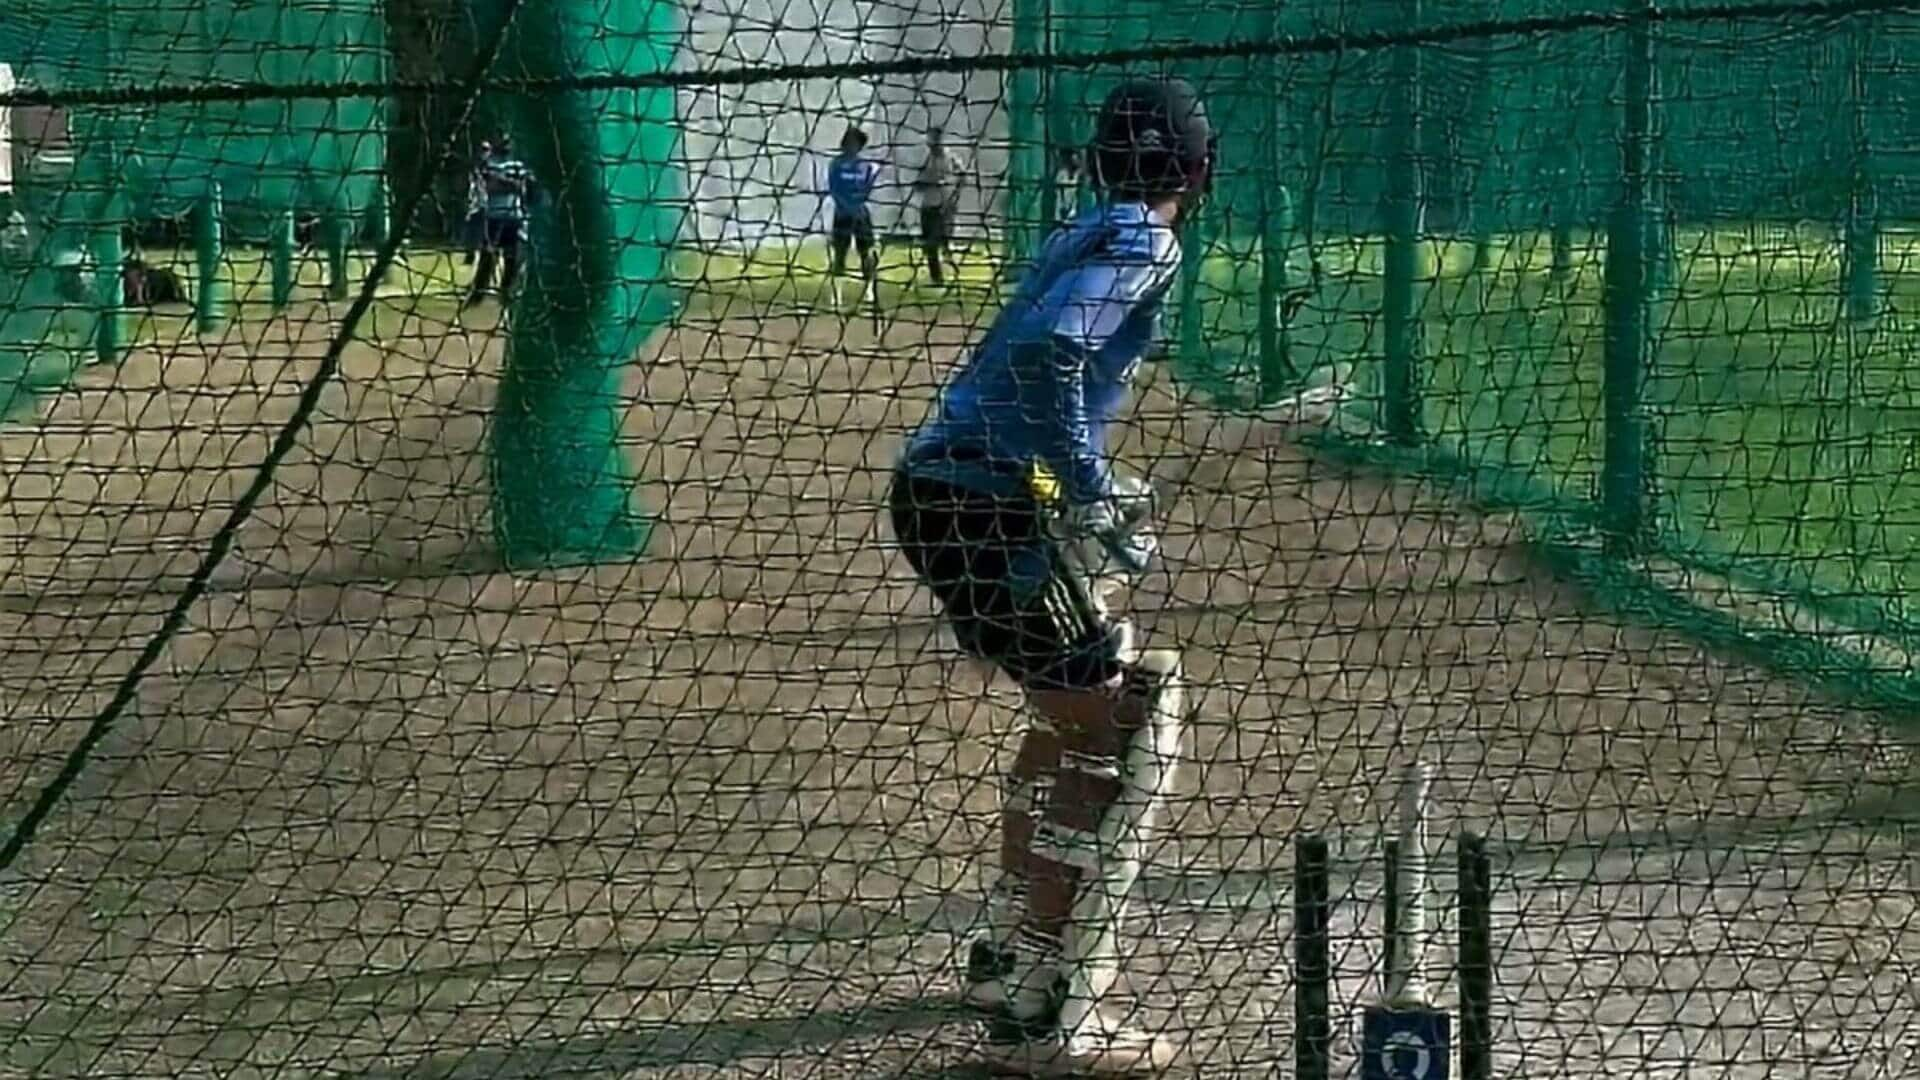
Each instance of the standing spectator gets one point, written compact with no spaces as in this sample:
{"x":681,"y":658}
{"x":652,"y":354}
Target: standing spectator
{"x":938,"y":187}
{"x":476,"y":202}
{"x":507,"y":189}
{"x":850,"y":182}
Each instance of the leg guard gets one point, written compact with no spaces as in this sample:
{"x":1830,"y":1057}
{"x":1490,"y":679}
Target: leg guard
{"x":1109,"y":860}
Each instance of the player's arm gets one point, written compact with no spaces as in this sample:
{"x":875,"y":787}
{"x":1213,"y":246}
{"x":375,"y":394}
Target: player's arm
{"x":1101,"y":302}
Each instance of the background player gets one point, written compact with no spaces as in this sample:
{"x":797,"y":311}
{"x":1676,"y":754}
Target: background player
{"x":938,"y":187}
{"x":851,"y":179}
{"x":507,"y":196}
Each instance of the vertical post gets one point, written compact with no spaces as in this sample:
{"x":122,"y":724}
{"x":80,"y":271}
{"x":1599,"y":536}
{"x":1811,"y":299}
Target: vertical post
{"x":1483,"y":127}
{"x":1276,"y":226}
{"x":336,"y":235}
{"x":1863,"y":224}
{"x":1191,"y":317}
{"x":109,"y":262}
{"x":280,"y":249}
{"x":104,"y":213}
{"x":1312,"y":952}
{"x":1276,"y":244}
{"x":379,"y":223}
{"x":1026,"y":126}
{"x":210,"y":300}
{"x":1404,"y":1028}
{"x":1623,"y":489}
{"x":1401,"y":406}
{"x":1053,"y":132}
{"x":1406,"y":971}
{"x":1476,"y":959}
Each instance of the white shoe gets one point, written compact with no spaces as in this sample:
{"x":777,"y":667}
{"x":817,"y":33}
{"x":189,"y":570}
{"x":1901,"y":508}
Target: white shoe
{"x":1102,"y":1046}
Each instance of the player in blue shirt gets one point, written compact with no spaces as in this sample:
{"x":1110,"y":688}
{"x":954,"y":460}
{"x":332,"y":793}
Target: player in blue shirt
{"x":1008,"y":509}
{"x":851,"y":179}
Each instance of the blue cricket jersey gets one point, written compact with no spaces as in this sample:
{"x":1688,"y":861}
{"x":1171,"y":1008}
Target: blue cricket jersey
{"x":850,"y":182}
{"x":1056,"y":366}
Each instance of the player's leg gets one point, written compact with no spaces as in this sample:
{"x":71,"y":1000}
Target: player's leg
{"x":957,"y":543}
{"x":1086,"y":784}
{"x":483,"y":274}
{"x":946,"y":238}
{"x":839,"y":240}
{"x":1114,"y":747}
{"x":863,"y":238}
{"x":510,"y":249}
{"x":930,"y":242}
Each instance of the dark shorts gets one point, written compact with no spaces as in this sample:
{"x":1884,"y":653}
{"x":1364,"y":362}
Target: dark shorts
{"x":856,"y":229}
{"x":936,"y":226}
{"x":1003,"y":584}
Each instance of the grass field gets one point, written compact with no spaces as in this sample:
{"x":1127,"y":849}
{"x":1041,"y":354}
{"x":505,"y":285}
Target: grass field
{"x":382,"y":809}
{"x":1782,"y":432}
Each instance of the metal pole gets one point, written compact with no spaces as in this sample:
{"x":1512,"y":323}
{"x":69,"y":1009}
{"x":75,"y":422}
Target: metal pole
{"x":210,"y":301}
{"x":1476,"y":959}
{"x":280,"y":249}
{"x":1863,"y":225}
{"x":1276,"y":231}
{"x":1403,"y":225}
{"x":1623,"y":489}
{"x":1312,"y":966}
{"x":1406,"y":968}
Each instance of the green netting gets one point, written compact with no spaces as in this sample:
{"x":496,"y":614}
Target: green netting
{"x":311,"y":156}
{"x":398,"y":680}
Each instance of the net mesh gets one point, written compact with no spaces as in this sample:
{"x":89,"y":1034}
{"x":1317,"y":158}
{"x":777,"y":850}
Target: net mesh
{"x":398,"y":682}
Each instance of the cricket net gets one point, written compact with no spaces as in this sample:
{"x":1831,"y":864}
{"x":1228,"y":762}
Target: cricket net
{"x":398,"y":683}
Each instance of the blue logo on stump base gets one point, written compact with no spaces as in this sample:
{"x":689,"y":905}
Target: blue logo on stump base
{"x":1405,"y":1044}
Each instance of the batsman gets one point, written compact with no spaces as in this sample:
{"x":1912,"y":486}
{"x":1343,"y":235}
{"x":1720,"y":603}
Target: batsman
{"x":1008,"y":508}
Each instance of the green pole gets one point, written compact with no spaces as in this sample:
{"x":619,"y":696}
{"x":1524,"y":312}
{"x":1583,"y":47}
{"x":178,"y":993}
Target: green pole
{"x":105,"y":211}
{"x":1276,"y":227}
{"x":1862,"y":255}
{"x":1196,"y":240}
{"x":109,"y":288}
{"x":1623,"y":489}
{"x":1276,"y":241}
{"x":1026,"y":120}
{"x":280,"y":249}
{"x":1055,"y":130}
{"x":1401,"y":406}
{"x":336,"y":235}
{"x":1482,"y":127}
{"x":599,"y":284}
{"x":210,"y":300}
{"x":379,"y":225}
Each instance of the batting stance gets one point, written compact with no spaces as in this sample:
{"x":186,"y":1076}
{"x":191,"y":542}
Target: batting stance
{"x":1007,"y":507}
